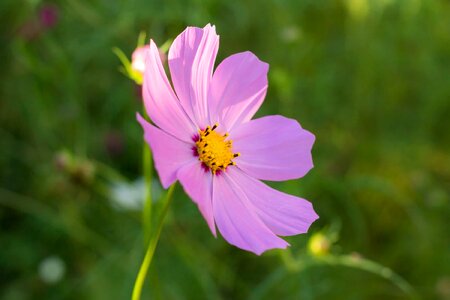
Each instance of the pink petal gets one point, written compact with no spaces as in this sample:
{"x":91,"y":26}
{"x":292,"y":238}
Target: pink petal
{"x":237,"y":219}
{"x":160,"y":101}
{"x":284,"y":214}
{"x":169,"y":153}
{"x":273,"y":148}
{"x":197,"y":183}
{"x":238,"y":88}
{"x":191,"y":62}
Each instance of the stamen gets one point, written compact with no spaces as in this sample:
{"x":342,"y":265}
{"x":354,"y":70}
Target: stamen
{"x":213,"y":150}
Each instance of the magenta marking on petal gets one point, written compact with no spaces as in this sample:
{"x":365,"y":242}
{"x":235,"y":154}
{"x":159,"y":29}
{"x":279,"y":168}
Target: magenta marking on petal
{"x":195,"y":137}
{"x":205,"y":167}
{"x":194,"y":151}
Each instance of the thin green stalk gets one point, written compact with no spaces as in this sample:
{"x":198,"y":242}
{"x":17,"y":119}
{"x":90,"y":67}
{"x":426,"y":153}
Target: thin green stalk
{"x":140,"y":279}
{"x":291,"y":264}
{"x":148,"y":204}
{"x":147,"y":165}
{"x":301,"y":263}
{"x":372,"y":267}
{"x":141,"y":39}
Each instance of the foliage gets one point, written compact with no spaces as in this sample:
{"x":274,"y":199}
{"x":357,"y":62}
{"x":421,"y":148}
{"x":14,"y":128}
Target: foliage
{"x":369,"y":78}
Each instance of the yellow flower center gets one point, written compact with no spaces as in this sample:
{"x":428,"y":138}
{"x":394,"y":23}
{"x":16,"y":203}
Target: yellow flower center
{"x":213,"y":150}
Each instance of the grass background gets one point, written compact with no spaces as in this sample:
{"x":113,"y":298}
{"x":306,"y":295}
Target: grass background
{"x":369,"y":78}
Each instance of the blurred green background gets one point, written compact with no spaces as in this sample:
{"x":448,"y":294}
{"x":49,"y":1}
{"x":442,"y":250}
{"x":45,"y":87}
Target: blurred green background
{"x":370,"y":78}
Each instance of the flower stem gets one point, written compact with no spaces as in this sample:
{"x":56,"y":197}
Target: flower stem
{"x":138,"y":284}
{"x":147,"y":169}
{"x":147,"y":211}
{"x":290,"y":262}
{"x":372,"y":267}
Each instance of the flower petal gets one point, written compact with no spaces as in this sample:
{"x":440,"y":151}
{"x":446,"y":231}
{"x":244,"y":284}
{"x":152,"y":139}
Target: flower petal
{"x":169,"y":153}
{"x":160,"y":101}
{"x":273,"y":148}
{"x":191,"y":61}
{"x":197,"y":183}
{"x":284,"y":214}
{"x":237,"y":220}
{"x":238,"y":89}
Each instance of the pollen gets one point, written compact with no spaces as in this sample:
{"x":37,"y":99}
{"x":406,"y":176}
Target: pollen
{"x":213,"y":150}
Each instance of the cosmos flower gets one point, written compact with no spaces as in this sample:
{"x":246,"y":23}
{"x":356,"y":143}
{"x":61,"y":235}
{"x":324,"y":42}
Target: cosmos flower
{"x":206,"y":139}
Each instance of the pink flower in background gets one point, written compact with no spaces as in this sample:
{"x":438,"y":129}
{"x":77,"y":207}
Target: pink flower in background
{"x":205,"y":138}
{"x":48,"y":15}
{"x":46,"y":18}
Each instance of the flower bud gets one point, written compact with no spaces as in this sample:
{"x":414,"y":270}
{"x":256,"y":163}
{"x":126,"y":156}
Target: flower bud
{"x":138,"y":59}
{"x":138,"y":62}
{"x":319,"y":244}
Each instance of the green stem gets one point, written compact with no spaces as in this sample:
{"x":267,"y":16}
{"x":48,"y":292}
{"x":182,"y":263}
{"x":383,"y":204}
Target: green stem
{"x":301,"y":263}
{"x":148,"y":205}
{"x":372,"y":267}
{"x":147,"y":165}
{"x":138,"y":284}
{"x":291,"y":264}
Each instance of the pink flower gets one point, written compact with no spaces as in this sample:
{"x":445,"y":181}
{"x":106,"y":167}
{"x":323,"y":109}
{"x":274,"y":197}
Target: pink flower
{"x":49,"y":15}
{"x":46,"y":18}
{"x":205,"y":138}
